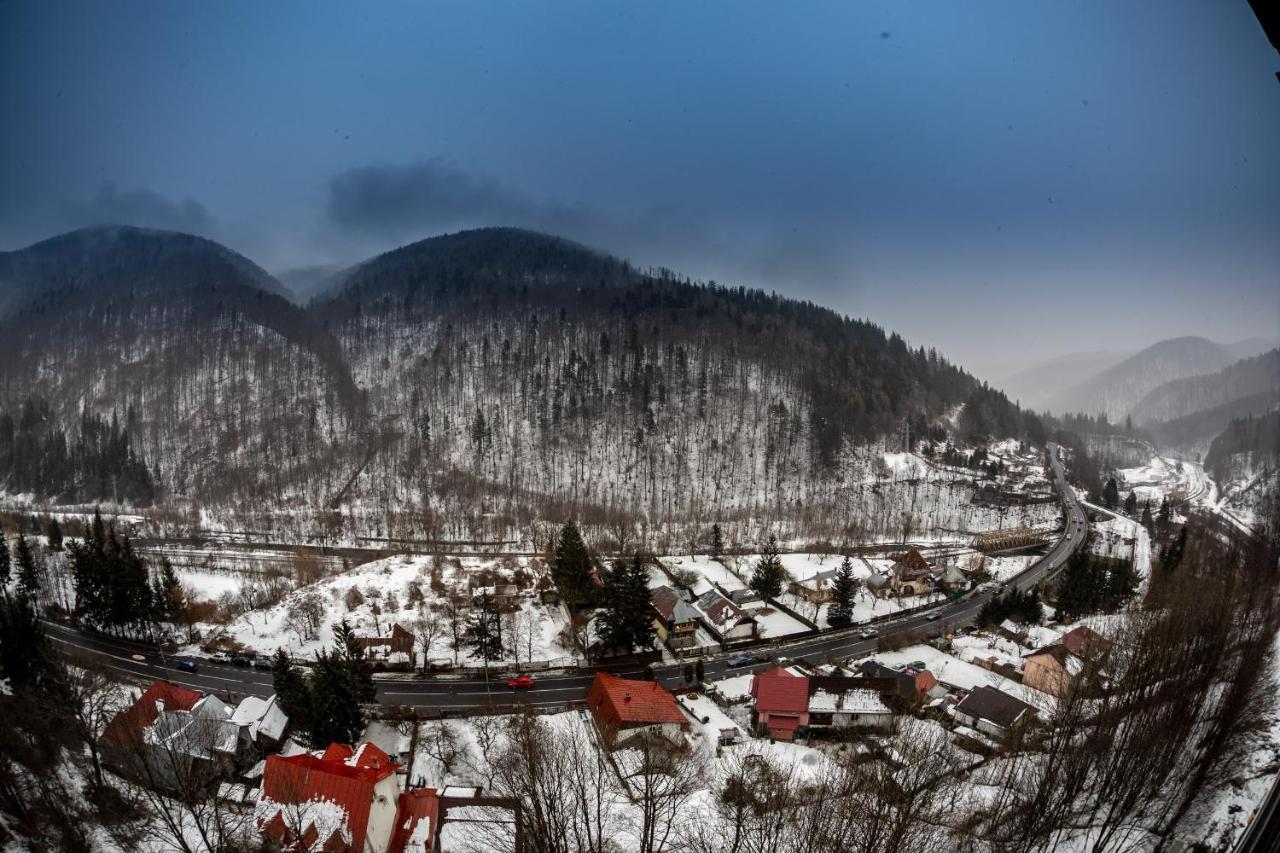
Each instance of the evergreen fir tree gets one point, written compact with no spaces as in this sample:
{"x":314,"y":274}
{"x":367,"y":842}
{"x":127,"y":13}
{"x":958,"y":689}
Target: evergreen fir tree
{"x":54,"y":532}
{"x":843,"y":587}
{"x":335,"y":715}
{"x":1147,"y":521}
{"x":769,"y":575}
{"x":1131,"y":504}
{"x":1110,"y":494}
{"x":25,"y":658}
{"x":292,"y":690}
{"x":717,"y":541}
{"x":1164,"y":516}
{"x":347,"y":650}
{"x":4,"y":563}
{"x":28,"y":575}
{"x":483,"y":635}
{"x":1173,"y":556}
{"x":571,"y":566}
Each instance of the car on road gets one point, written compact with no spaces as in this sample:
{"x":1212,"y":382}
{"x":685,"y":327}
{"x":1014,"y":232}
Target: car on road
{"x":186,"y":665}
{"x":934,"y":617}
{"x":868,"y":633}
{"x":138,"y":658}
{"x":262,"y":662}
{"x":740,"y":660}
{"x":520,"y":681}
{"x":241,"y":660}
{"x":219,"y":656}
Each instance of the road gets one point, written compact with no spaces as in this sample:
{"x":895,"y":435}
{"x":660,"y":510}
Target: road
{"x":449,"y":695}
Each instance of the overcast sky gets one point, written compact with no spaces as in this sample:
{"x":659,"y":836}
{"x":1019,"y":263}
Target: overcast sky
{"x":1005,"y":181}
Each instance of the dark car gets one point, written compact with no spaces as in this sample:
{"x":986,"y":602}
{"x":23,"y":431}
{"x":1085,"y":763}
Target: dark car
{"x":240,"y":660}
{"x":262,"y":663}
{"x":186,"y":665}
{"x":740,"y":660}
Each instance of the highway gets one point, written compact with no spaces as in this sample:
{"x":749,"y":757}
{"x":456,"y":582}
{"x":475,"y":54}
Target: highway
{"x":452,"y":695}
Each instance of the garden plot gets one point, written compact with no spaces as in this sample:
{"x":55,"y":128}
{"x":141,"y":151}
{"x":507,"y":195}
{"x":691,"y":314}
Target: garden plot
{"x":413,"y":591}
{"x":208,"y":586}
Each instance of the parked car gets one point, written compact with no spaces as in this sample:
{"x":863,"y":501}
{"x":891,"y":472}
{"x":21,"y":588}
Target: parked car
{"x":186,"y":665}
{"x":520,"y":681}
{"x":934,"y":617}
{"x":740,"y":660}
{"x":868,"y":633}
{"x":138,"y":658}
{"x":262,"y":662}
{"x":220,"y":656}
{"x":241,"y":660}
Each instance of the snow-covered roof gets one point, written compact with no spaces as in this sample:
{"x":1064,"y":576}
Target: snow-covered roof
{"x":261,"y":716}
{"x":857,"y":701}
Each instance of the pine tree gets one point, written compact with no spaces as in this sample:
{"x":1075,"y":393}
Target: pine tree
{"x":1110,"y":494}
{"x":843,"y":587}
{"x":4,"y":563}
{"x":54,"y":533}
{"x":769,"y":575}
{"x":1147,"y":521}
{"x":28,"y":576}
{"x":483,"y":635}
{"x":346,"y":649}
{"x":612,"y":625}
{"x":1131,"y":504}
{"x":335,"y":714}
{"x":1164,"y":516}
{"x":25,"y":658}
{"x":717,"y":541}
{"x":292,"y":690}
{"x":1173,"y":556}
{"x":571,"y":566}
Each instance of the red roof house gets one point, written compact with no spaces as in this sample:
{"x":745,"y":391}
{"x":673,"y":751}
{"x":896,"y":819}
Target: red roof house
{"x":624,"y":704}
{"x":128,"y":725}
{"x":341,"y":800}
{"x":782,"y":702}
{"x":417,"y":822}
{"x":1084,"y":642}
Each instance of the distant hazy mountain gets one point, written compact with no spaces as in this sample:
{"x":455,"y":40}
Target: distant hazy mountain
{"x":1249,"y":377}
{"x":306,"y":282}
{"x":1035,"y":387}
{"x":1250,"y":347}
{"x":1116,"y":390}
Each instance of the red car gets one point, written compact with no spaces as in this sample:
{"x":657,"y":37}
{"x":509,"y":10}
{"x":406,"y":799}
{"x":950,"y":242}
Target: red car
{"x":520,"y":681}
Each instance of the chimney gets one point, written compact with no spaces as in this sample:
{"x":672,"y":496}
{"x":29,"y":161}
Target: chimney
{"x":626,"y":697}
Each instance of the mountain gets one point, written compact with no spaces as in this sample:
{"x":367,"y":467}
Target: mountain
{"x":470,"y":384}
{"x":1036,"y":387}
{"x":192,"y":346}
{"x":1257,"y":377}
{"x":117,"y":260}
{"x":1114,"y":391}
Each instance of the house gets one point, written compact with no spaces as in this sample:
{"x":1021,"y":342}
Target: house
{"x":343,"y":800}
{"x":263,"y":721}
{"x":993,"y":712}
{"x":173,"y":737}
{"x":781,"y":703}
{"x":726,"y":621}
{"x":675,"y":620}
{"x":817,"y":589}
{"x":1053,"y":669}
{"x":912,"y":574}
{"x":877,"y":584}
{"x":1085,"y":643}
{"x":909,"y":682}
{"x":624,"y":708}
{"x":841,"y":702}
{"x":398,"y":648}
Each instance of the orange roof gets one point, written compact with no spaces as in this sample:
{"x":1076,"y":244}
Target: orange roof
{"x":414,"y":807}
{"x":344,"y":778}
{"x":627,"y":701}
{"x":780,"y":692}
{"x":128,"y":725}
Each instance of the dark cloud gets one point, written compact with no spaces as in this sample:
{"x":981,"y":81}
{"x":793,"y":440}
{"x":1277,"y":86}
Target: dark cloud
{"x":141,"y":207}
{"x":394,"y":201}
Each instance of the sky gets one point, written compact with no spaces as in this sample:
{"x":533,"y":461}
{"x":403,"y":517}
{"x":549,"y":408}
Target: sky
{"x":1005,"y":181}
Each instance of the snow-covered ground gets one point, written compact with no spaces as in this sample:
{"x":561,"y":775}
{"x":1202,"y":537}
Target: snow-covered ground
{"x":384,"y":594}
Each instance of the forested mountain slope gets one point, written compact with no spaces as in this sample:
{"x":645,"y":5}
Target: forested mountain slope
{"x":488,"y":378}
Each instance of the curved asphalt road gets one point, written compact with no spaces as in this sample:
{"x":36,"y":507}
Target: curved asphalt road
{"x":454,"y":696}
